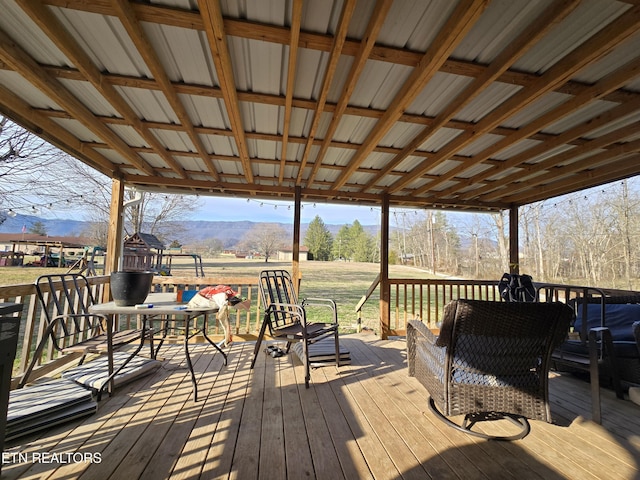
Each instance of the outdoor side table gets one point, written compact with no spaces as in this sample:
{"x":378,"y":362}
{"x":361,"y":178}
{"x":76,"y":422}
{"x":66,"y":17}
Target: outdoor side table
{"x":160,"y":307}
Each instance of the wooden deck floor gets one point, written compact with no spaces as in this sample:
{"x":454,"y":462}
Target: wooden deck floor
{"x":367,"y":420}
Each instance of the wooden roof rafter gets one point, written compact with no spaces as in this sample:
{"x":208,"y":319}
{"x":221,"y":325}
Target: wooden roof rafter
{"x":595,"y":47}
{"x":605,"y":173}
{"x":549,"y":168}
{"x":336,"y":52}
{"x":54,"y":133}
{"x":562,"y":139}
{"x":454,"y":30}
{"x":214,"y":28}
{"x":13,"y":55}
{"x":528,"y":38}
{"x":63,"y":40}
{"x":127,"y":17}
{"x":368,"y":42}
{"x":296,"y":18}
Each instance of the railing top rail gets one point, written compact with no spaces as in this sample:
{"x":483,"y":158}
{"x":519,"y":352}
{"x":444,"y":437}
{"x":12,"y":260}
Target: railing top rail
{"x":370,"y":290}
{"x":441,"y":281}
{"x":239,"y":280}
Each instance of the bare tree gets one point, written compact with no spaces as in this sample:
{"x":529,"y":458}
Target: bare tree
{"x":35,"y":175}
{"x":157,"y":213}
{"x":266,"y":239}
{"x":29,"y":173}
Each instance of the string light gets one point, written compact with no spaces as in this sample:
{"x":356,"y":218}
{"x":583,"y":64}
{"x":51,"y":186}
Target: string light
{"x":35,"y":207}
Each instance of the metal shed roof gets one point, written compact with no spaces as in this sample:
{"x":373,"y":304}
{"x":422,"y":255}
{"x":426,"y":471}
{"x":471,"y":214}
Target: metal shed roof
{"x":471,"y":104}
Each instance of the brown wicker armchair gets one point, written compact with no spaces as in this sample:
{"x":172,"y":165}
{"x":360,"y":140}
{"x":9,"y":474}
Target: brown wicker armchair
{"x":491,"y":360}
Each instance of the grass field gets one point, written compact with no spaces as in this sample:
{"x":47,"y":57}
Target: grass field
{"x":345,"y":282}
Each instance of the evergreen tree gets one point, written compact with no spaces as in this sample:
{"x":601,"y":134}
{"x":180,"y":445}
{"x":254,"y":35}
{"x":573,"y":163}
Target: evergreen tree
{"x":342,"y":245}
{"x":364,"y":248}
{"x":319,"y":240}
{"x":38,"y":228}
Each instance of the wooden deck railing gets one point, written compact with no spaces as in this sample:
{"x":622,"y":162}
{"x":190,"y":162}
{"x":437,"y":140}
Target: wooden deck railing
{"x":425,"y":299}
{"x":244,"y":323}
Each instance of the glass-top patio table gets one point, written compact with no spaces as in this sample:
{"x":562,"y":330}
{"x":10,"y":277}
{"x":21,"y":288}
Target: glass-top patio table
{"x":161,"y":307}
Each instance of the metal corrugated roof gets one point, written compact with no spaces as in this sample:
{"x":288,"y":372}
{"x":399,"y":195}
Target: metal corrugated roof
{"x":452,"y":103}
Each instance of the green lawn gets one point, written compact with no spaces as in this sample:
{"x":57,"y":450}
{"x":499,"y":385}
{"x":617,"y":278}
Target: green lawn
{"x":345,"y":282}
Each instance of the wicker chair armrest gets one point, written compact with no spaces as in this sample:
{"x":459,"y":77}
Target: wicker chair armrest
{"x":419,"y":337}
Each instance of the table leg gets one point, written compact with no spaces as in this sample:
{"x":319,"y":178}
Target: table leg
{"x":110,"y":382}
{"x":188,"y":357}
{"x":217,"y":347}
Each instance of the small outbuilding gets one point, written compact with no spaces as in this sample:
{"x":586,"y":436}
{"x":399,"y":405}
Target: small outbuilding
{"x":285,"y":254}
{"x":142,"y":252}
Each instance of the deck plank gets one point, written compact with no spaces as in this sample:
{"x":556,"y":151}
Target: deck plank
{"x":272,"y":449}
{"x":246,"y":456}
{"x":366,"y":420}
{"x":211,"y":431}
{"x":299,"y":462}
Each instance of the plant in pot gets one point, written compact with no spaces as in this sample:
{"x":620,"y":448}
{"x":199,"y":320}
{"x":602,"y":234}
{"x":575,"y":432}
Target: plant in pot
{"x":130,"y":288}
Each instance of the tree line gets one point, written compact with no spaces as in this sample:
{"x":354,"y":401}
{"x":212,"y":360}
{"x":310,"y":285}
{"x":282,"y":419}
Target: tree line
{"x":589,"y":237}
{"x":351,"y":243}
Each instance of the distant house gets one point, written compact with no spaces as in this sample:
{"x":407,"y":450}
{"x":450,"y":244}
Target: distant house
{"x":286,"y":254}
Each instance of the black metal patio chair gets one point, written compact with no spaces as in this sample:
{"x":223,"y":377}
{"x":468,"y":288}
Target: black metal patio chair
{"x":286,"y":318}
{"x":65,"y":300}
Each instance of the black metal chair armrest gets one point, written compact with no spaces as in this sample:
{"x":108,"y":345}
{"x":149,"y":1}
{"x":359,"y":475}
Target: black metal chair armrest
{"x":595,"y":356}
{"x":322,"y":302}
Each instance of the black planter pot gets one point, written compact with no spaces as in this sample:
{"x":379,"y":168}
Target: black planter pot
{"x":130,"y":288}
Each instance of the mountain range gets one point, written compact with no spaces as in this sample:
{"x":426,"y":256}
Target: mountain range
{"x":185,"y":232}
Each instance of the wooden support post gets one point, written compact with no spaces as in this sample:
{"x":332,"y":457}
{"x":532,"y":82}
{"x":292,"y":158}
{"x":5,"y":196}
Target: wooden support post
{"x":385,"y":294}
{"x":297,"y":215}
{"x":514,"y":247}
{"x":114,"y":236}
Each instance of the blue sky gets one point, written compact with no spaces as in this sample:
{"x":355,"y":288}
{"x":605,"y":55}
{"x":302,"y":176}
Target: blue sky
{"x":230,"y":209}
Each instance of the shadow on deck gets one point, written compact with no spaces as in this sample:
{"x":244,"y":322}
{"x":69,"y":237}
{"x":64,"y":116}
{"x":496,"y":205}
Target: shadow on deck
{"x":367,"y":420}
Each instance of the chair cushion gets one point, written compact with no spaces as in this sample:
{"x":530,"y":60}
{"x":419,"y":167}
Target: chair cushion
{"x":623,"y":349}
{"x":618,"y":318}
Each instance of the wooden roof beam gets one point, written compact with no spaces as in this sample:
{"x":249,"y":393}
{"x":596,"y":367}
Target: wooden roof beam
{"x":56,"y":32}
{"x":229,"y":188}
{"x":296,"y":19}
{"x":450,"y":35}
{"x":597,"y":46}
{"x":366,"y":45}
{"x":563,"y":139}
{"x":535,"y":31}
{"x":336,"y":51}
{"x":127,"y":17}
{"x":214,"y":28}
{"x":618,"y":96}
{"x":23,"y":64}
{"x":605,"y":173}
{"x":55,"y":134}
{"x":614,"y":146}
{"x":178,"y":17}
{"x":608,"y":84}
